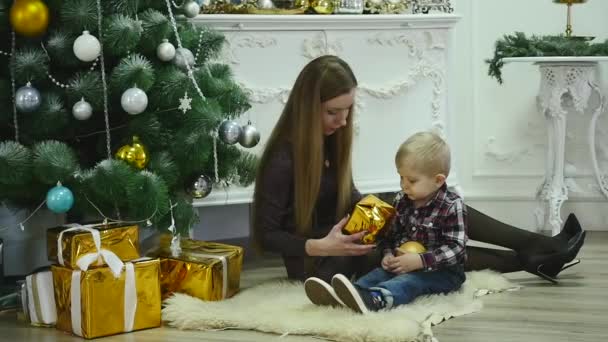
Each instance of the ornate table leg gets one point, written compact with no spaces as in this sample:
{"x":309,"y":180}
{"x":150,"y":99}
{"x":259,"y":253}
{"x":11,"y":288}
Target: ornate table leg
{"x":557,"y":81}
{"x":553,"y":190}
{"x":602,"y":179}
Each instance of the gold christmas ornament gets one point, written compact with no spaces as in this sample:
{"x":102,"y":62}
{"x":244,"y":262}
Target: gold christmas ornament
{"x":135,"y":154}
{"x":412,"y":247}
{"x":29,"y":17}
{"x":323,"y":6}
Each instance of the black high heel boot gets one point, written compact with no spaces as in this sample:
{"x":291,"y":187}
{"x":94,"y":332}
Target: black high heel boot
{"x":548,"y":266}
{"x":570,"y":229}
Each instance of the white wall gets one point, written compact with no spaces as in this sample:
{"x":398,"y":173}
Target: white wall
{"x":502,"y":137}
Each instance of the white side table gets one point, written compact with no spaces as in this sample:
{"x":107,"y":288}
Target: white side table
{"x":561,"y":76}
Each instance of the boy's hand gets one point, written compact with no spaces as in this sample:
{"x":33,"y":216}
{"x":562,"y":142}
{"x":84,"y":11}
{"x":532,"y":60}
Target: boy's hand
{"x":407,"y":262}
{"x":386,"y":260}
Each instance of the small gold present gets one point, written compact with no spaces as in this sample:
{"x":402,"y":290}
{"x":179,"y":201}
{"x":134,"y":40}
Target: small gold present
{"x":371,"y":214}
{"x":108,"y":300}
{"x":206,"y":270}
{"x":121,"y":239}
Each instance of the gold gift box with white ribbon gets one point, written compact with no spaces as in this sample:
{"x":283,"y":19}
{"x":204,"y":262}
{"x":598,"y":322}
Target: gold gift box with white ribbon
{"x":115,"y":298}
{"x":206,"y":270}
{"x":122,"y":239}
{"x":96,"y":303}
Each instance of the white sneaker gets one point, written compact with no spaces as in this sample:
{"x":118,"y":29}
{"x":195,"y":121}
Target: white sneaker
{"x":321,"y":293}
{"x":348,"y":294}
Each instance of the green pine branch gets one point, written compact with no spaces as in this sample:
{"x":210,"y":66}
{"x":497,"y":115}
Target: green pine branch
{"x":518,"y":45}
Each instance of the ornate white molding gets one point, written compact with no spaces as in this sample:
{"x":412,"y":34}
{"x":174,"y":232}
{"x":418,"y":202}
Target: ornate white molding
{"x":266,"y":95}
{"x":248,"y":22}
{"x":496,"y":153}
{"x":228,"y":54}
{"x":417,"y":41}
{"x":319,"y":46}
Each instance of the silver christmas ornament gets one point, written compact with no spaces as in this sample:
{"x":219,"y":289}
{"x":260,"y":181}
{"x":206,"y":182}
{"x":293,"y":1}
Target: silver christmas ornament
{"x":82,"y":110}
{"x":201,"y":187}
{"x":86,"y":47}
{"x":183,"y":57}
{"x":229,"y":132}
{"x":134,"y":100}
{"x":27,"y":99}
{"x":250,"y":136}
{"x":191,"y":9}
{"x":165,"y":51}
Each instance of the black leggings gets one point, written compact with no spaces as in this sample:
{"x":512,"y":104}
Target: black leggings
{"x":481,"y":228}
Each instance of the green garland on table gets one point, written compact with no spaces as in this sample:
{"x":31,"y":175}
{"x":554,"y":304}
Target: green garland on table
{"x":518,"y":45}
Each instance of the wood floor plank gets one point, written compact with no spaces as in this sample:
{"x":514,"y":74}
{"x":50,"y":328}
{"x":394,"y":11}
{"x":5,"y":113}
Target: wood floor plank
{"x":573,"y":311}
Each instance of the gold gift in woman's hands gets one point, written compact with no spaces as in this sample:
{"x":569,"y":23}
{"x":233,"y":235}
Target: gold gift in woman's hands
{"x":371,"y":214}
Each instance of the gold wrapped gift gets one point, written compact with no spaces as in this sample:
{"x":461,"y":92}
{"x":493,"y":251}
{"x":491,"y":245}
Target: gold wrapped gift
{"x":121,"y":239}
{"x":105,"y":304}
{"x":206,"y":270}
{"x":371,"y":214}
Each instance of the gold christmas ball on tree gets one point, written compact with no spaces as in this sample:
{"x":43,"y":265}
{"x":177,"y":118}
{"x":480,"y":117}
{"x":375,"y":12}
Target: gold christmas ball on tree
{"x":412,"y":247}
{"x":29,"y":17}
{"x":134,"y":154}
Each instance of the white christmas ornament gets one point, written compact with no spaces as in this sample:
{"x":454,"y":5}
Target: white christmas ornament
{"x":165,"y":51}
{"x":134,"y":100}
{"x":86,"y":47}
{"x":191,"y":9}
{"x":82,"y":110}
{"x":265,"y":4}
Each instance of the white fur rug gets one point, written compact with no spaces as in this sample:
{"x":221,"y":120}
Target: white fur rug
{"x":281,"y":307}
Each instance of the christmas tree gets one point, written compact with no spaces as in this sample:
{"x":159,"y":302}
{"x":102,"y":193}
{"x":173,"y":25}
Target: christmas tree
{"x":120,"y":102}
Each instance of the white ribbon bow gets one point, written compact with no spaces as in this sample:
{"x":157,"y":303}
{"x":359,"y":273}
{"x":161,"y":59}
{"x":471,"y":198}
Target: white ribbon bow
{"x":116,"y":266}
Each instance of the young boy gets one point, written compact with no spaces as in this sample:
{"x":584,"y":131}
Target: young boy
{"x":427,"y":212}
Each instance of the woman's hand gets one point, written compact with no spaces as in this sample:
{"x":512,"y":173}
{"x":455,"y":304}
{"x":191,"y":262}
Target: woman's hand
{"x":338,"y":244}
{"x":407,"y":262}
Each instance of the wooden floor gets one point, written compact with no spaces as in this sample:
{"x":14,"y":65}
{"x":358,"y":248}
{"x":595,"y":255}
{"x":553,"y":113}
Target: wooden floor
{"x":575,"y":310}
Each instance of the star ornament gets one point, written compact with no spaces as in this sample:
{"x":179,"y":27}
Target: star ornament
{"x":184,"y":103}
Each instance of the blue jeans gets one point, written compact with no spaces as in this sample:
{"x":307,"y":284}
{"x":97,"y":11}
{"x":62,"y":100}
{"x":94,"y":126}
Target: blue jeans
{"x":404,"y":288}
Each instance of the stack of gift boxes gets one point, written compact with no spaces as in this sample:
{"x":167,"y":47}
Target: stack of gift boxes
{"x":99,"y":284}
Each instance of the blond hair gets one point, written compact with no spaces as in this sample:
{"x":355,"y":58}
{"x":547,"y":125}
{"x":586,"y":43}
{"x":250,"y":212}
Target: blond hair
{"x":300,"y":124}
{"x":427,"y":153}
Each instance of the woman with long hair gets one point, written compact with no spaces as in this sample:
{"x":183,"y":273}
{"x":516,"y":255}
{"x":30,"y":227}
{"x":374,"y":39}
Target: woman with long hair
{"x":304,"y":186}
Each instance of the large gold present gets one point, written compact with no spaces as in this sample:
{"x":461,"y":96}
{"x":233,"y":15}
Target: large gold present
{"x":206,"y":270}
{"x":121,"y":239}
{"x":371,"y":214}
{"x":108,"y":300}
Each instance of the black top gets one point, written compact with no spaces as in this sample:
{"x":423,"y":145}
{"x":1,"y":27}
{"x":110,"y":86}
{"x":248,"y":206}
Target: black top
{"x":275,"y":217}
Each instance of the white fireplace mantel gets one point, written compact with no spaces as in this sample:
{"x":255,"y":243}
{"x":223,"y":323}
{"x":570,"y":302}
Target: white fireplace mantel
{"x":248,"y":22}
{"x":401,"y":63}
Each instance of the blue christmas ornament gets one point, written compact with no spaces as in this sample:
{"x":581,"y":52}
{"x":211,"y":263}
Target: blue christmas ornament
{"x":59,"y":199}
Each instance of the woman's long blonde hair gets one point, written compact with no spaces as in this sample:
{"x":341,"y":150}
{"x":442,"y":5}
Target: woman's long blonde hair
{"x":301,"y":125}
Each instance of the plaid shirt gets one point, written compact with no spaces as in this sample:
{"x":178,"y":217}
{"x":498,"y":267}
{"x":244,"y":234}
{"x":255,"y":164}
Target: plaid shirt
{"x":440,"y":226}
